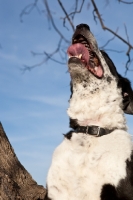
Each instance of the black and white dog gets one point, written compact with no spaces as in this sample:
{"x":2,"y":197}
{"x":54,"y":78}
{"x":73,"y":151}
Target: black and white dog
{"x":95,"y":160}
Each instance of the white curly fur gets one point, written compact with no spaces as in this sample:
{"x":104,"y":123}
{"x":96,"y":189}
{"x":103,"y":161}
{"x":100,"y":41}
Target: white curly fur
{"x":103,"y":106}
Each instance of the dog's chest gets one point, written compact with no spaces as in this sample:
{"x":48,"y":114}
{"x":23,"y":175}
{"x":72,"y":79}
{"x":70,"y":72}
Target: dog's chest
{"x":82,"y":165}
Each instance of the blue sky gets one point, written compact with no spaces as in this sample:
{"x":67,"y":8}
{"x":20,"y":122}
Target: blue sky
{"x":33,"y":104}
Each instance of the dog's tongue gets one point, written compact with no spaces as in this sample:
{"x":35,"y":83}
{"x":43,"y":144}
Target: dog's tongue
{"x":80,"y":51}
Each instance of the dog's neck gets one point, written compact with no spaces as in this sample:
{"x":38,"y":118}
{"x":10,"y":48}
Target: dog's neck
{"x":98,"y":103}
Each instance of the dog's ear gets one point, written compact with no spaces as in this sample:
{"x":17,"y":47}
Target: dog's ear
{"x":123,"y":83}
{"x":110,"y":64}
{"x":127,"y":94}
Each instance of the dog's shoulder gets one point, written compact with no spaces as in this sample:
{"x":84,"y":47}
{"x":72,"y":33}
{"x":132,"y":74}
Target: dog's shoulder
{"x":97,"y":160}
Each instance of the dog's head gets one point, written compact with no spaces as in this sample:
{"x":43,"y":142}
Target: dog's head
{"x":88,"y":66}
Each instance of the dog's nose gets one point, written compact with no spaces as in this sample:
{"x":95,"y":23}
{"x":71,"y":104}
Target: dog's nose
{"x":83,"y":26}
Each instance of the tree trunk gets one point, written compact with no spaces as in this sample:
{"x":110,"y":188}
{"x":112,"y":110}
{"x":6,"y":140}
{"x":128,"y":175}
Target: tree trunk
{"x":15,"y":182}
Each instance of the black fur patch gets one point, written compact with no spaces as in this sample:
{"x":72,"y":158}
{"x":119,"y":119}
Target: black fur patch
{"x":109,"y":193}
{"x":68,"y":135}
{"x":123,"y":83}
{"x":110,"y":64}
{"x":109,"y":79}
{"x":73,"y":123}
{"x":124,"y":191}
{"x":125,"y":188}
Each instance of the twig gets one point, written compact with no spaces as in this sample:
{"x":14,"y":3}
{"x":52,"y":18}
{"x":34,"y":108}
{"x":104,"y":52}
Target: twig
{"x":48,"y":56}
{"x":121,"y":1}
{"x":67,"y":16}
{"x":130,"y":47}
{"x":75,"y":10}
{"x":52,"y":21}
{"x":72,"y":14}
{"x":128,"y":65}
{"x":116,"y":51}
{"x":106,"y":28}
{"x":29,"y":68}
{"x":109,"y":40}
{"x":126,"y":32}
{"x":28,"y":9}
{"x":128,"y":52}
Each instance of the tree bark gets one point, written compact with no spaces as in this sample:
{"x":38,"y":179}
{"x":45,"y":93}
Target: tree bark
{"x":15,"y":182}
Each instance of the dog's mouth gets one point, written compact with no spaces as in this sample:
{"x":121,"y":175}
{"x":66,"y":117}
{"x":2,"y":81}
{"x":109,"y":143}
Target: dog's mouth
{"x":82,"y":50}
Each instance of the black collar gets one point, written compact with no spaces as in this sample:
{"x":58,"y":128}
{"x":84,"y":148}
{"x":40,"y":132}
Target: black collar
{"x":93,"y":130}
{"x":96,"y":131}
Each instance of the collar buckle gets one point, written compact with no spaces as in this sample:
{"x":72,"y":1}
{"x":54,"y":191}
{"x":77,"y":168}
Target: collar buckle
{"x":87,"y":128}
{"x":98,"y":131}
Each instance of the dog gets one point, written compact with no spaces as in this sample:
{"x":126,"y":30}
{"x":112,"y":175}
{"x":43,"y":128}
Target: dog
{"x":95,"y":159}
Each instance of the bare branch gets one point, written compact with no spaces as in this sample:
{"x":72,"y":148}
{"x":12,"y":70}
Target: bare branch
{"x":126,"y":32}
{"x":113,"y":50}
{"x":72,"y":14}
{"x":67,"y":16}
{"x":121,"y":1}
{"x":109,"y":40}
{"x":76,"y":7}
{"x":127,"y":63}
{"x":75,"y":10}
{"x":28,"y":9}
{"x":130,"y":47}
{"x":29,"y":68}
{"x":128,"y":52}
{"x":106,"y":28}
{"x":52,"y":21}
{"x":48,"y":56}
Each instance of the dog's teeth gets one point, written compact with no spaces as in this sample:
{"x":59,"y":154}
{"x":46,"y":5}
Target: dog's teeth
{"x":74,"y":40}
{"x":79,"y":56}
{"x":96,"y":68}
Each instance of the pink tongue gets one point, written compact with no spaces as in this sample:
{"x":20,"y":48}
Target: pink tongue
{"x":77,"y":49}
